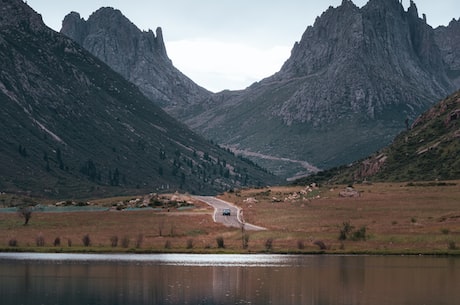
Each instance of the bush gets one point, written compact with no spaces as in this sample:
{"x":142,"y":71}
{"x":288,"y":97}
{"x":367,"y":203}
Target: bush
{"x":57,"y":242}
{"x":86,"y":240}
{"x":320,"y":244}
{"x":125,"y":242}
{"x":452,"y":245}
{"x":69,"y":242}
{"x":245,"y":240}
{"x":300,"y":244}
{"x":189,"y":244}
{"x":345,"y":230}
{"x":114,"y":241}
{"x":360,"y":234}
{"x":13,"y":242}
{"x":40,"y":240}
{"x":220,"y":242}
{"x":139,"y":241}
{"x":269,"y":244}
{"x":168,"y":244}
{"x":445,"y":231}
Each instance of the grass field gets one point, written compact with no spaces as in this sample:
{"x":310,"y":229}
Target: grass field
{"x":396,"y":218}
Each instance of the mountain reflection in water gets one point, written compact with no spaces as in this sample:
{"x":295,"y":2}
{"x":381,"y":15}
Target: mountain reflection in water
{"x":227,"y":279}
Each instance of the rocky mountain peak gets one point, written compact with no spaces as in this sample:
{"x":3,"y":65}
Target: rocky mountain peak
{"x":19,"y":14}
{"x":351,"y":83}
{"x":140,"y":56}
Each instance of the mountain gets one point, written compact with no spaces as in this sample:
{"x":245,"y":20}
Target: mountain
{"x":353,"y":81}
{"x":72,"y":127}
{"x":356,"y":78}
{"x":448,"y":39}
{"x":139,"y":56}
{"x":428,"y":151}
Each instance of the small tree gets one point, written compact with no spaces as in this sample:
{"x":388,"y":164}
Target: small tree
{"x":220,"y":242}
{"x":269,"y":244}
{"x":26,"y":213}
{"x":86,"y":240}
{"x":114,"y":241}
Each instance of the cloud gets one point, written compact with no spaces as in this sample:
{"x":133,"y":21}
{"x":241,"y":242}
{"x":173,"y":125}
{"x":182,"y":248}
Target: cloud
{"x":218,"y":65}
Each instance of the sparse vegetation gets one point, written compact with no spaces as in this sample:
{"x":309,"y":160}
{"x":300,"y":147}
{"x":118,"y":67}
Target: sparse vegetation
{"x":220,"y":242}
{"x":40,"y":240}
{"x":269,"y":244}
{"x":297,"y":223}
{"x":114,"y":241}
{"x":86,"y":240}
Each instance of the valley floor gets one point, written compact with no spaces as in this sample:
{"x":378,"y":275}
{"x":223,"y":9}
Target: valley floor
{"x":397,"y":218}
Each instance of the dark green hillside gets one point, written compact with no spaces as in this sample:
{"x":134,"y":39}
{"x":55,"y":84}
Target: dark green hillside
{"x":430,"y":150}
{"x":70,"y":126}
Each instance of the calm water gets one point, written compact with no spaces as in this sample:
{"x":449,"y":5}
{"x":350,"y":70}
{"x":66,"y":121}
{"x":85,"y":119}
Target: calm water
{"x":227,"y":279}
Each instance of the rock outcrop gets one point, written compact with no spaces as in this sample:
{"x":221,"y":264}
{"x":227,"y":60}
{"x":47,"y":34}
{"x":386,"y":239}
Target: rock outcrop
{"x":139,"y":56}
{"x":448,"y":40}
{"x":350,"y":84}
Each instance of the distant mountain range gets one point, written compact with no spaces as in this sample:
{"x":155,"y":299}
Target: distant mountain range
{"x":72,"y":127}
{"x":429,"y":150}
{"x":355,"y":80}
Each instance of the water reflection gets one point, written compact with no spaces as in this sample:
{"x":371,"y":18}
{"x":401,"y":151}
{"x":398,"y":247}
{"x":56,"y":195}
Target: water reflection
{"x":227,"y":279}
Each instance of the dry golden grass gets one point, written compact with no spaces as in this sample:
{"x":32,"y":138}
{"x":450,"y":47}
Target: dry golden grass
{"x":398,"y":219}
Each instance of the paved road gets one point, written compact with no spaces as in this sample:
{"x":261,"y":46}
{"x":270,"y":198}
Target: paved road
{"x":234,"y":220}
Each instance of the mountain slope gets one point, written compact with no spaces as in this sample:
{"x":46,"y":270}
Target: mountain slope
{"x":71,"y":126}
{"x":139,"y":56}
{"x":448,"y":39}
{"x":430,"y":150}
{"x":348,"y":88}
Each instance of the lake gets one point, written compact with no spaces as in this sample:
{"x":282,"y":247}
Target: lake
{"x":228,"y":279}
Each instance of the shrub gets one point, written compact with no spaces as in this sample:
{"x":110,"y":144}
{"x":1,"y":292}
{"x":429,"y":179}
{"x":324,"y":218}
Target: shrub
{"x":189,"y":244}
{"x":245,"y":240}
{"x":452,"y":245}
{"x":345,"y":230}
{"x":139,"y":240}
{"x":320,"y":244}
{"x":13,"y":242}
{"x":125,"y":242}
{"x":220,"y":242}
{"x":114,"y":241}
{"x":86,"y":240}
{"x":168,"y":244}
{"x":57,"y":242}
{"x":360,"y":234}
{"x":269,"y":244}
{"x":300,"y":244}
{"x":445,"y":231}
{"x":40,"y":240}
{"x":69,"y":242}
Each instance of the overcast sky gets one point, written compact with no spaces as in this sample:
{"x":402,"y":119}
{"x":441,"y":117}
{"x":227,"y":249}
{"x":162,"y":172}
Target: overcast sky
{"x":226,"y":44}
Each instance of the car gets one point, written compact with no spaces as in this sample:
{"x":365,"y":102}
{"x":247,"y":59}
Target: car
{"x":226,"y":212}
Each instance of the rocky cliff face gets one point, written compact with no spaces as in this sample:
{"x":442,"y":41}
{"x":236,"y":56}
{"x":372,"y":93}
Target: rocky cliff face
{"x":448,"y":40}
{"x":72,"y":127}
{"x":350,"y":84}
{"x":139,"y":56}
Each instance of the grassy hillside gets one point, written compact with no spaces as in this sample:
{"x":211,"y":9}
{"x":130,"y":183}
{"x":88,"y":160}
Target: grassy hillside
{"x":428,"y":150}
{"x":72,"y":127}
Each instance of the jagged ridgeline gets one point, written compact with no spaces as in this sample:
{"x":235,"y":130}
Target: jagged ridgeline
{"x":350,"y":85}
{"x":71,"y":126}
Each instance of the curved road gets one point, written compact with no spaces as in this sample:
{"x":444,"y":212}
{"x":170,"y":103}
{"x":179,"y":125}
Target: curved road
{"x":234,"y":220}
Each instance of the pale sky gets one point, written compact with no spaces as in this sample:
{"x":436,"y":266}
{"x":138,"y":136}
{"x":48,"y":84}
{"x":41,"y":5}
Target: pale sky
{"x":226,"y":44}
